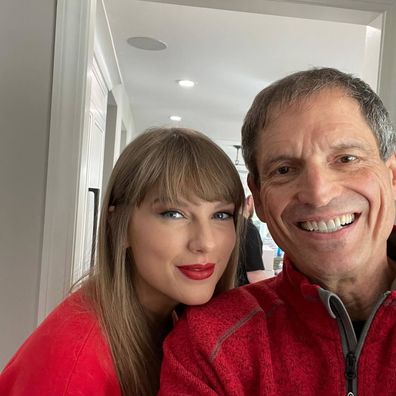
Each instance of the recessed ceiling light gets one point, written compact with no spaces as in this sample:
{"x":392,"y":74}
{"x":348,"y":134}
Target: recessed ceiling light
{"x":186,"y":83}
{"x":147,"y":43}
{"x":175,"y":118}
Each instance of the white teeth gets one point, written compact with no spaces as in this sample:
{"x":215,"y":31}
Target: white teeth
{"x":322,"y":226}
{"x":310,"y":227}
{"x":331,"y":225}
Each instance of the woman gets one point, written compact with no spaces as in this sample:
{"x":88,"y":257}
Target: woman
{"x":168,"y":235}
{"x":251,"y":265}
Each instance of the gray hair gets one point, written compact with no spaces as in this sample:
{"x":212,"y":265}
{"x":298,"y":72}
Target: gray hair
{"x":302,"y":85}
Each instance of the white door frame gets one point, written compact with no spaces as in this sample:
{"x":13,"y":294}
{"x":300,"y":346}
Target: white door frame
{"x":82,"y":31}
{"x":74,"y":38}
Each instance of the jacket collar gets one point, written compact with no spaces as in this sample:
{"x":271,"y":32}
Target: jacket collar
{"x":312,"y":292}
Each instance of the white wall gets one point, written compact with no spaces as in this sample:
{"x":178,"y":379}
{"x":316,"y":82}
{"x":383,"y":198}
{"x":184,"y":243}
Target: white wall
{"x":26,"y":54}
{"x":387,"y":81}
{"x":120,"y":129}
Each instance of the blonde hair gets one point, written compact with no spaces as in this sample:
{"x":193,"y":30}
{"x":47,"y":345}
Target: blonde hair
{"x":176,"y":163}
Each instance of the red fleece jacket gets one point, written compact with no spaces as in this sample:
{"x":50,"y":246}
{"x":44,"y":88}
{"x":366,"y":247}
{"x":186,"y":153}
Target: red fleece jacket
{"x":274,"y":338}
{"x":67,"y":355}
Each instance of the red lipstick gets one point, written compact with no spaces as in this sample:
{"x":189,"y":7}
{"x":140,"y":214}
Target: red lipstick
{"x":197,"y":271}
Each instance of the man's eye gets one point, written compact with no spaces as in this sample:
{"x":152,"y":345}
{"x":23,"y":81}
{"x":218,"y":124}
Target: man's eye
{"x":223,"y":215}
{"x":171,"y":214}
{"x":282,"y":170}
{"x":348,"y":158}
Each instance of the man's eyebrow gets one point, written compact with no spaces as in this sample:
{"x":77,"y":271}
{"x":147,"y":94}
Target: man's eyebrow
{"x":276,"y":159}
{"x":337,"y":146}
{"x":351,"y":145}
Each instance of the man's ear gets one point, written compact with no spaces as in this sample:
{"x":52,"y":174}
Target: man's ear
{"x":391,"y":165}
{"x":255,"y":189}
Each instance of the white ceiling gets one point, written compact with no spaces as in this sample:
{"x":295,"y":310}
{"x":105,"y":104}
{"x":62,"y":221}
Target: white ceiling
{"x":231,"y":54}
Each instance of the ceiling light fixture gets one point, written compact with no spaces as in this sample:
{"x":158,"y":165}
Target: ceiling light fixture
{"x":147,"y":43}
{"x":238,"y":147}
{"x":186,"y":83}
{"x":175,"y":118}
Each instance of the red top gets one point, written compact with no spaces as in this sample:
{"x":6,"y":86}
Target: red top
{"x":67,"y":355}
{"x":273,"y":338}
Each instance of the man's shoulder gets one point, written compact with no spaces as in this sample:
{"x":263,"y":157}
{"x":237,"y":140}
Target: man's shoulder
{"x":239,"y":301}
{"x":236,"y":317}
{"x":233,"y":309}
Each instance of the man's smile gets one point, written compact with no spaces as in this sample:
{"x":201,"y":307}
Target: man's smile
{"x":330,"y":225}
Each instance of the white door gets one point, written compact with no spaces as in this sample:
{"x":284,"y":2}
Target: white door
{"x":96,"y":140}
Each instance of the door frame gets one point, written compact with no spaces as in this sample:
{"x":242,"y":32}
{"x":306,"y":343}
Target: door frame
{"x":67,"y":160}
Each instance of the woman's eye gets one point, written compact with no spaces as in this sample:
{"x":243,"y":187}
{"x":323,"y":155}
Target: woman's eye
{"x":223,"y":215}
{"x":172,"y":214}
{"x":348,"y":158}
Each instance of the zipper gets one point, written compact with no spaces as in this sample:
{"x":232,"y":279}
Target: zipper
{"x":350,"y":345}
{"x":350,"y":371}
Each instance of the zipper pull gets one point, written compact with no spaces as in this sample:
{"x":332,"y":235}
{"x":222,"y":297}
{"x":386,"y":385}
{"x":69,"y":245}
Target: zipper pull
{"x":350,"y":370}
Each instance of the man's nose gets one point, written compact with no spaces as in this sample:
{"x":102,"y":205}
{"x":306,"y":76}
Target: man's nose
{"x":317,"y":185}
{"x":202,"y":237}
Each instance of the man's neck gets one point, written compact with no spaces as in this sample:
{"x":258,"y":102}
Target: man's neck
{"x":360,"y":292}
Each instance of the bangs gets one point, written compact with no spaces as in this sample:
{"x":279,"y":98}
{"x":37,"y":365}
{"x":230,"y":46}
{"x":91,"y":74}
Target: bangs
{"x":192,"y":182}
{"x":191,"y":168}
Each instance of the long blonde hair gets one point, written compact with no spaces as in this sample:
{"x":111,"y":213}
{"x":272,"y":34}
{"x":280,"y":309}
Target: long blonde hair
{"x":177,"y":163}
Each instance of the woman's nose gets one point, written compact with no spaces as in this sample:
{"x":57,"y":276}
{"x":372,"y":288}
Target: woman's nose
{"x":202,"y":237}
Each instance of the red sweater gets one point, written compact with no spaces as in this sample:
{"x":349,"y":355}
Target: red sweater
{"x":280,"y":337}
{"x":67,"y":355}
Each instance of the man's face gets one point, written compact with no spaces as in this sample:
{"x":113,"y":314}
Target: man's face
{"x":325,"y":193}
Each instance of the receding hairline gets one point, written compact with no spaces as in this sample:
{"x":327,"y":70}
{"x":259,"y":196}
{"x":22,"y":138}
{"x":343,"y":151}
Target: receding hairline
{"x":278,"y":106}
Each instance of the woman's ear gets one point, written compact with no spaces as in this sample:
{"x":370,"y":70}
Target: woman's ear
{"x":255,"y":189}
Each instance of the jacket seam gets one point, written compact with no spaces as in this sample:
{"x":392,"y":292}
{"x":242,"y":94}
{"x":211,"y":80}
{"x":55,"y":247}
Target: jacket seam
{"x":77,"y":359}
{"x":230,"y":331}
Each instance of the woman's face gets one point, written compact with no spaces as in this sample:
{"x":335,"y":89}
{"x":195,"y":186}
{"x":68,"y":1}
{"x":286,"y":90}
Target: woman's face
{"x":181,"y":250}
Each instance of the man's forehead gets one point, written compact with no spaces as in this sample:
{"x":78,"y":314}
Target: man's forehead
{"x":304,"y":101}
{"x":314,"y":120}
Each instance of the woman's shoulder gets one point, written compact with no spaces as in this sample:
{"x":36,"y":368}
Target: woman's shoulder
{"x":67,"y":351}
{"x":71,"y":323}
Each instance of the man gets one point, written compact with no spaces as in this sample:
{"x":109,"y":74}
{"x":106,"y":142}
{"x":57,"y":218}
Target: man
{"x":320,"y":149}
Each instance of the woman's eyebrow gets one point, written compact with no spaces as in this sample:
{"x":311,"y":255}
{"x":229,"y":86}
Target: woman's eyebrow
{"x":168,"y":201}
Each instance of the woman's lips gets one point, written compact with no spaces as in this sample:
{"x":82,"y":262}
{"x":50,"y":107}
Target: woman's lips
{"x":197,"y":271}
